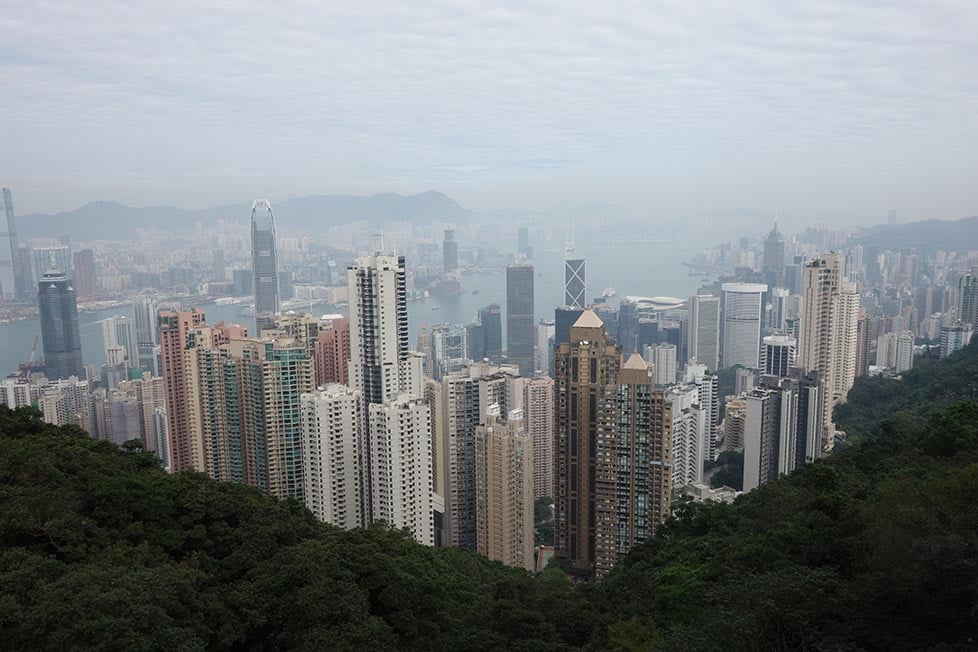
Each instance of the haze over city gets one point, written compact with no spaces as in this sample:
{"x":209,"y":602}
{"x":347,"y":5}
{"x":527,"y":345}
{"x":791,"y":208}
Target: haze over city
{"x":832,"y":112}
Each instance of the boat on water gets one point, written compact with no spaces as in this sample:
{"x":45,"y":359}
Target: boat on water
{"x":436,"y":307}
{"x":609,"y":292}
{"x":475,"y":291}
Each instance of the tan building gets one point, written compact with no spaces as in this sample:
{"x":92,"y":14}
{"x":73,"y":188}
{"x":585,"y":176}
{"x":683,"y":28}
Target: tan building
{"x":333,"y":353}
{"x":587,"y":372}
{"x":504,"y":489}
{"x":538,"y":418}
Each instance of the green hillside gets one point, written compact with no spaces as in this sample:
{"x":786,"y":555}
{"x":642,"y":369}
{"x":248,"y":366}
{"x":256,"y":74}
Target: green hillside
{"x":875,"y":549}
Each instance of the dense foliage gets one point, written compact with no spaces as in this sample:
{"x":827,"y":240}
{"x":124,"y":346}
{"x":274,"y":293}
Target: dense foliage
{"x":874,"y":549}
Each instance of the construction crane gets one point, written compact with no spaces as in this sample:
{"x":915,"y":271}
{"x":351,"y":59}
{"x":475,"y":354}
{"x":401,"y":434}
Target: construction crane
{"x":34,"y":348}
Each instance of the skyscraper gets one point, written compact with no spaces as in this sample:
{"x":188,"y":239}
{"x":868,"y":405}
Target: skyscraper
{"x":332,"y":459}
{"x":218,"y":269}
{"x":818,"y":329}
{"x":575,"y":287}
{"x":587,"y":372}
{"x":773,"y":265}
{"x":504,"y":489}
{"x":146,"y":333}
{"x":741,"y":327}
{"x":690,"y":434}
{"x":644,"y":482}
{"x":60,"y":334}
{"x":11,"y":273}
{"x":538,"y":420}
{"x":174,"y":331}
{"x":60,"y":254}
{"x":264,"y":264}
{"x":968,"y":298}
{"x":84,"y":272}
{"x":704,"y":330}
{"x":845,"y":341}
{"x":118,"y":331}
{"x":492,"y":322}
{"x":778,"y":354}
{"x":520,"y":333}
{"x":449,"y":250}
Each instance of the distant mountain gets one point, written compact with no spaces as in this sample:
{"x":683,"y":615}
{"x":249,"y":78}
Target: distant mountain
{"x":926,"y":236}
{"x":111,"y":220}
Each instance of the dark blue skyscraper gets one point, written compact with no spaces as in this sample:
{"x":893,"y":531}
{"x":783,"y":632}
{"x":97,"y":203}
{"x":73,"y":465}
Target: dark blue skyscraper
{"x":59,"y":325}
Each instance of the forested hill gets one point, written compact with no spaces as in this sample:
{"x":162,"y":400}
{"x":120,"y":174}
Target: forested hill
{"x":874,"y":549}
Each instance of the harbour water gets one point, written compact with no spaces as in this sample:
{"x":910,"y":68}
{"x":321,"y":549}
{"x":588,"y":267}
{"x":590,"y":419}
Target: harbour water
{"x":644,"y":268}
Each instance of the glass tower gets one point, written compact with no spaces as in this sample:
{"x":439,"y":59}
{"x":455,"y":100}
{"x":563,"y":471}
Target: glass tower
{"x":264,"y":264}
{"x":59,"y":325}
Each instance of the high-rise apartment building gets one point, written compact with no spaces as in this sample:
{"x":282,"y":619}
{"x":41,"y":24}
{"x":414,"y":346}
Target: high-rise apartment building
{"x":465,"y":397}
{"x":175,"y":328}
{"x":400,"y":466}
{"x":449,"y":250}
{"x":968,"y":298}
{"x":708,"y":386}
{"x":741,"y":325}
{"x":84,"y":273}
{"x":332,"y":455}
{"x":11,"y":271}
{"x":819,"y":328}
{"x":333,"y":352}
{"x":504,"y":489}
{"x":690,"y":437}
{"x":955,"y":337}
{"x":218,"y":268}
{"x":644,"y":473}
{"x":773,"y":264}
{"x":264,"y":264}
{"x":544,"y":346}
{"x":538,"y":421}
{"x":662,"y":357}
{"x":587,"y":372}
{"x":146,"y":334}
{"x":60,"y":335}
{"x":575,"y":286}
{"x":845,"y":341}
{"x":449,"y":346}
{"x":520,"y":333}
{"x":778,"y":315}
{"x":864,"y":340}
{"x":119,"y":331}
{"x":904,"y":352}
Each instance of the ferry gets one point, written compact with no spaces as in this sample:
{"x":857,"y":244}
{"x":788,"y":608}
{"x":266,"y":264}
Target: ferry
{"x":609,"y":292}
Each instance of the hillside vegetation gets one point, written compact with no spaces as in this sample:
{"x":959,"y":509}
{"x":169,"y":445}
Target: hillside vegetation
{"x":874,"y":549}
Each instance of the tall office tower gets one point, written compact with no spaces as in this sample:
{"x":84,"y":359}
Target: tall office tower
{"x":332,"y":469}
{"x":704,"y":330}
{"x":955,"y":337}
{"x":662,"y":357}
{"x":465,"y":397}
{"x":773,"y":265}
{"x":504,"y":489}
{"x":147,"y":337}
{"x":378,"y":326}
{"x":690,"y":440}
{"x":59,"y":325}
{"x":779,"y":309}
{"x":741,"y":326}
{"x":25,"y":256}
{"x":11,"y":271}
{"x":174,"y":332}
{"x":778,"y":354}
{"x":84,"y":272}
{"x":709,"y":399}
{"x":575,"y":287}
{"x":904,"y":352}
{"x":968,"y":297}
{"x":644,"y":482}
{"x":564,"y":318}
{"x":817,"y":348}
{"x":545,"y":336}
{"x":218,"y":268}
{"x":520,"y":336}
{"x":449,"y":348}
{"x":60,"y":254}
{"x":400,"y":466}
{"x":781,"y":427}
{"x":845,"y":341}
{"x":538,"y":420}
{"x":475,"y":341}
{"x":449,"y":249}
{"x":587,"y":372}
{"x":333,"y":353}
{"x":119,"y":331}
{"x":264,"y":264}
{"x":864,"y":339}
{"x":523,"y":243}
{"x":492,"y":322}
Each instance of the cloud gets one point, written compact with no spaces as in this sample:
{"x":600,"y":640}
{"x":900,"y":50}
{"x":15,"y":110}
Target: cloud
{"x":337,"y":96}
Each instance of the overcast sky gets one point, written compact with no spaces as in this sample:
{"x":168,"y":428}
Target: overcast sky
{"x":822,"y":110}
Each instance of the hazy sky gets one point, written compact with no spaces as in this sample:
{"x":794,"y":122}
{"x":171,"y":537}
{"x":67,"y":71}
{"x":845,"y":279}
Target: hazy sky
{"x":825,"y":110}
